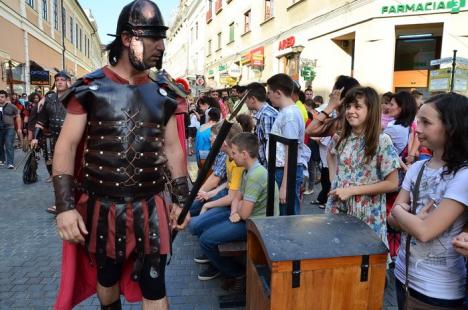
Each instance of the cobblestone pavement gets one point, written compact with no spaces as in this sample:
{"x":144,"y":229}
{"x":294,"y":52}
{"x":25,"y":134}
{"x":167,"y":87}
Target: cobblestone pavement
{"x":30,"y":253}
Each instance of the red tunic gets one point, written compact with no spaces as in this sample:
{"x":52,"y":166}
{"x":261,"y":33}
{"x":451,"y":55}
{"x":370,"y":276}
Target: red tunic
{"x":79,"y":274}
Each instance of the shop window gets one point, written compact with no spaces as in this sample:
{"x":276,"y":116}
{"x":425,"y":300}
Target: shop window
{"x":219,"y":41}
{"x":231,"y":32}
{"x":247,"y":19}
{"x":269,"y":9}
{"x":45,"y":10}
{"x":56,"y":17}
{"x":416,"y":53}
{"x":30,"y":3}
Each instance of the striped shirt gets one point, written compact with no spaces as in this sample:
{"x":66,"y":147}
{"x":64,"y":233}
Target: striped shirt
{"x":265,"y":118}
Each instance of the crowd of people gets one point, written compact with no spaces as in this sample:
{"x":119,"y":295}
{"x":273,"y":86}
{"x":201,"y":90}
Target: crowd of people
{"x":367,"y":151}
{"x":396,"y":161}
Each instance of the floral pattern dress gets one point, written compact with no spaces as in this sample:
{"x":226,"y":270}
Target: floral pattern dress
{"x":352,"y":170}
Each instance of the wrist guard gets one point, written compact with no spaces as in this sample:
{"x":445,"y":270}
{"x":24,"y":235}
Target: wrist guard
{"x":64,"y":192}
{"x":180,"y":190}
{"x":37,"y":133}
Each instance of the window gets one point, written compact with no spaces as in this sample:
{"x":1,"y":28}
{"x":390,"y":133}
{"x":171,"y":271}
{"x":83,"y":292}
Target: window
{"x":88,"y":48}
{"x":416,"y":53}
{"x":71,"y":29}
{"x":231,"y":32}
{"x":86,"y":45}
{"x":196,"y":31}
{"x":30,"y":3}
{"x":269,"y":9}
{"x":209,"y":48}
{"x":219,"y":41}
{"x":45,"y":10}
{"x":76,"y":35}
{"x":247,"y":21}
{"x":81,"y":41}
{"x":56,"y":18}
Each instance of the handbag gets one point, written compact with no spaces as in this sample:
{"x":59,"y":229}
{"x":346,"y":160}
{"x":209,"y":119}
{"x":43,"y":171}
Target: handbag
{"x":412,"y":303}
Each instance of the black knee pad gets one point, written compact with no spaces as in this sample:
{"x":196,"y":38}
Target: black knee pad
{"x":117,"y":305}
{"x":110,"y":273}
{"x":152,"y":282}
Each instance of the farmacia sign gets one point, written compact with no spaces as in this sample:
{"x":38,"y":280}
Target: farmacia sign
{"x":453,"y":5}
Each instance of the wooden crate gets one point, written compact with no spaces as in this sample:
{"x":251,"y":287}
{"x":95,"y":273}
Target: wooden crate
{"x":314,"y":262}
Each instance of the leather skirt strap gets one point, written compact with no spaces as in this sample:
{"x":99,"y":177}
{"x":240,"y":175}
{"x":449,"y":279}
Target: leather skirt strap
{"x":89,"y":220}
{"x":101,"y":236}
{"x":153,"y":220}
{"x":138,"y":226}
{"x":120,"y":232}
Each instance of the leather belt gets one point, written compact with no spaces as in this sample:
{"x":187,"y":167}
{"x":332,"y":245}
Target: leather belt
{"x":137,"y":124}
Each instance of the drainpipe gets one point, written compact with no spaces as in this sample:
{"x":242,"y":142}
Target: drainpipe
{"x":63,"y":36}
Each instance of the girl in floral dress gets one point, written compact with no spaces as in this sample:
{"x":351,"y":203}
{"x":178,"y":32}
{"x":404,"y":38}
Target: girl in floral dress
{"x":366,"y":163}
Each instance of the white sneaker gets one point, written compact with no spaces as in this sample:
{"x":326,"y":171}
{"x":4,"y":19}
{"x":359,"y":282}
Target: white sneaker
{"x":2,"y":163}
{"x":11,"y":167}
{"x":308,"y":191}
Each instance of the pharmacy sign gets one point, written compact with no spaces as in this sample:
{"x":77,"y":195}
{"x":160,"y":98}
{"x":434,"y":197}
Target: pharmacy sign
{"x":424,"y":7}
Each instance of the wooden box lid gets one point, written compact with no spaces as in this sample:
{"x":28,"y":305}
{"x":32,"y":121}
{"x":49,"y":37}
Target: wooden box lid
{"x":306,"y":237}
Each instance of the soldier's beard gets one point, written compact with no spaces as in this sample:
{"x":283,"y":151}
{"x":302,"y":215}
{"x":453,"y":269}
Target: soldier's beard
{"x":136,"y":55}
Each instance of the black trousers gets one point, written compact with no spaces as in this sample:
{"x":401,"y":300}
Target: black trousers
{"x":325,"y":182}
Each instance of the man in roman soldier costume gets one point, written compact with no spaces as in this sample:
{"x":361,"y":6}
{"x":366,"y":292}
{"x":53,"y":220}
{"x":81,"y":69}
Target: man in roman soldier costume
{"x":50,"y":118}
{"x":116,"y":158}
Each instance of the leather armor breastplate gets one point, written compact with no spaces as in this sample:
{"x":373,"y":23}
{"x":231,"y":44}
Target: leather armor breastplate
{"x":57,"y":112}
{"x":124,"y":159}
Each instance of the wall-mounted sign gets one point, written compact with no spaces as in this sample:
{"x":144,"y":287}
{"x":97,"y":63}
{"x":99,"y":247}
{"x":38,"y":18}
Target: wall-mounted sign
{"x":40,"y":77}
{"x":427,"y":6}
{"x":200,"y":80}
{"x":222,"y":68}
{"x":308,"y":73}
{"x":246,"y":59}
{"x":439,"y":80}
{"x":287,"y":43}
{"x":258,"y":57}
{"x":234,"y":71}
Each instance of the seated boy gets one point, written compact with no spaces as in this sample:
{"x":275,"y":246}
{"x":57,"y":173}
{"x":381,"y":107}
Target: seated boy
{"x":217,"y":208}
{"x":214,"y":186}
{"x":250,"y":201}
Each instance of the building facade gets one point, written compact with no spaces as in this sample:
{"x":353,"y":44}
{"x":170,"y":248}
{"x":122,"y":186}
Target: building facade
{"x":386,"y":44}
{"x":42,"y":37}
{"x":185,"y":53}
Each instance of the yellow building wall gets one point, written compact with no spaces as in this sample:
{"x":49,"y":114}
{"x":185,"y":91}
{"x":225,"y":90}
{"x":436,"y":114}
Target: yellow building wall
{"x":14,"y":45}
{"x":32,"y":15}
{"x":13,"y":4}
{"x":43,"y":55}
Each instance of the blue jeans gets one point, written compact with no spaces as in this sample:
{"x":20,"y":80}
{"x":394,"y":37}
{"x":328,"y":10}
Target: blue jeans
{"x":213,"y":216}
{"x":198,"y":204}
{"x":7,"y":139}
{"x":223,"y":232}
{"x":299,"y":177}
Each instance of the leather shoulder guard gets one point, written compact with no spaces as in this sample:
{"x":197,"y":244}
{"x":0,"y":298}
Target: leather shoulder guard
{"x":78,"y":89}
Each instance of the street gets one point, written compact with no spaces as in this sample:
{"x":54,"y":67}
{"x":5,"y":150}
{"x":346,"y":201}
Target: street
{"x":30,"y":253}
